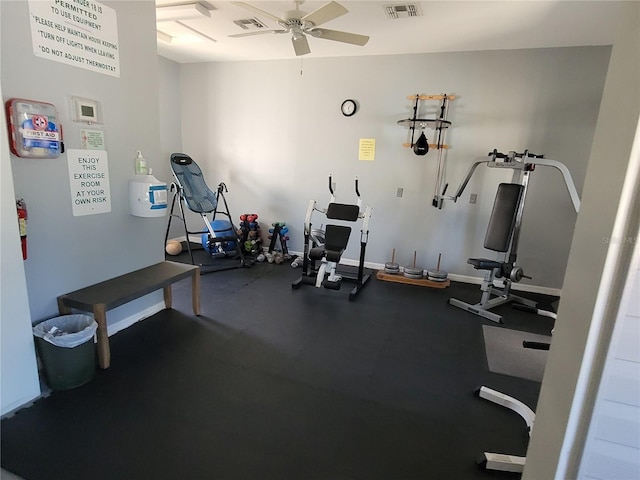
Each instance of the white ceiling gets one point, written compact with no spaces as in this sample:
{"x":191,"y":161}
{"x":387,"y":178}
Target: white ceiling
{"x":445,"y":26}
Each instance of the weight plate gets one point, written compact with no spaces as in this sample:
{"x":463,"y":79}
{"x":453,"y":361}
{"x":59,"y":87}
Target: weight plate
{"x":413,"y":270}
{"x":392,"y":266}
{"x":413,"y":276}
{"x":437,"y":273}
{"x":439,"y":280}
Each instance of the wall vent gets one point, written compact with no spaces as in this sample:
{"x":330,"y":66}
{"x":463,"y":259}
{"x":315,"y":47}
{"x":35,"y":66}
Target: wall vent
{"x":250,"y":24}
{"x":402,"y":11}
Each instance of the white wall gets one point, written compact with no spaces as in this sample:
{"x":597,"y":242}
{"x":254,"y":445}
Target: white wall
{"x":582,"y":333}
{"x":18,"y":374}
{"x":612,"y":448}
{"x":67,"y":252}
{"x":273,"y":132}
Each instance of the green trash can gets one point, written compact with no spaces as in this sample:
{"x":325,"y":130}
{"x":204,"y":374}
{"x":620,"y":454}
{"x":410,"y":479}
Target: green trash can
{"x":66,"y":349}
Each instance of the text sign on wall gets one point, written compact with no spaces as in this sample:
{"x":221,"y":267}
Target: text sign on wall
{"x":367,"y":149}
{"x":89,"y":181}
{"x":82,"y":33}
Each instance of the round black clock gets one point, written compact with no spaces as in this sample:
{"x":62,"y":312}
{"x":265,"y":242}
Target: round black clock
{"x":349,"y":107}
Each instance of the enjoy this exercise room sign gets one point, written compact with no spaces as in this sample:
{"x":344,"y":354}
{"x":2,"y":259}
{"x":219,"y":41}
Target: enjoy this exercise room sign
{"x":83,"y":33}
{"x":89,"y":182}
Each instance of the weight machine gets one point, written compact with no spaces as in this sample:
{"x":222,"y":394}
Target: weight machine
{"x":328,"y":246}
{"x":503,"y":231}
{"x":500,"y":461}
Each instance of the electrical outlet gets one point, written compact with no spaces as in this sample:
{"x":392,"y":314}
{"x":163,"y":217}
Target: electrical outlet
{"x":399,"y":192}
{"x":473,"y":198}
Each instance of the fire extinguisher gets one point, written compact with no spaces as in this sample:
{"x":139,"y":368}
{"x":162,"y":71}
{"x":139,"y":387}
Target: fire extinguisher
{"x":22,"y":223}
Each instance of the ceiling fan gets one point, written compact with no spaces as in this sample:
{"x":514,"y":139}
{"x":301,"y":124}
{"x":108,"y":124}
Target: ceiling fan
{"x":299,"y":24}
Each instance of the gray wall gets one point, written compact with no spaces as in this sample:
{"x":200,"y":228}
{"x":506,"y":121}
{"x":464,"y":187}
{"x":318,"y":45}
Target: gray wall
{"x":67,"y":252}
{"x":170,"y":116}
{"x":608,"y":163}
{"x":273,"y":132}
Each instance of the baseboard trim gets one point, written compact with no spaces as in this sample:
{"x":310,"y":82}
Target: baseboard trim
{"x":192,"y":238}
{"x":126,"y":322}
{"x":24,"y":402}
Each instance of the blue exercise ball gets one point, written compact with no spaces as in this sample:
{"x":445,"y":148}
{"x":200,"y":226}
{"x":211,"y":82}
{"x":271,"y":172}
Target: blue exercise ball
{"x":222,"y":228}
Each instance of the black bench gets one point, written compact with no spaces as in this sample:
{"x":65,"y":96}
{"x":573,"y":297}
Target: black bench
{"x":104,"y":296}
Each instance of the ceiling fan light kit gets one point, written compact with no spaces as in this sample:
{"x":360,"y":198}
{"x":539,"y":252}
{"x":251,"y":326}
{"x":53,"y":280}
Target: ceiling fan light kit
{"x":299,"y":24}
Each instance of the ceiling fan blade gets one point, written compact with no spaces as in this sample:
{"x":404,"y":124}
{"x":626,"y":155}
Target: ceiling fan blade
{"x":300,"y":44}
{"x":325,"y":13}
{"x":338,"y":36}
{"x":261,"y":12}
{"x":250,"y":34}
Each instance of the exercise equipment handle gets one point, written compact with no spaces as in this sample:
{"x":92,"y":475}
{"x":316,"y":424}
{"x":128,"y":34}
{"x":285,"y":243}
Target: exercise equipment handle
{"x":357,"y":191}
{"x":536,"y":345}
{"x":496,"y":154}
{"x":527,"y":154}
{"x":472,"y":169}
{"x":566,"y":175}
{"x":512,"y":154}
{"x":330,"y":186}
{"x":535,"y":160}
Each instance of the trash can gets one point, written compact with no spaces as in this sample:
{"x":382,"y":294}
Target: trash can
{"x":66,"y":349}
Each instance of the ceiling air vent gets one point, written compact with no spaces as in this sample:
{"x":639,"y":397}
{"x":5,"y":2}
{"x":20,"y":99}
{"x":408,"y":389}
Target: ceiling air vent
{"x":250,"y":24}
{"x":402,"y":11}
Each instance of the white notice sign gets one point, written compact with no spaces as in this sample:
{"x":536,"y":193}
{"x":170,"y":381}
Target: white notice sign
{"x":89,"y":181}
{"x":83,"y":33}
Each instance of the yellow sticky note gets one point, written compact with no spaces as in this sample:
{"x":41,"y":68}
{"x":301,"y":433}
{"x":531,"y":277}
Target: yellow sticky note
{"x":367,"y":149}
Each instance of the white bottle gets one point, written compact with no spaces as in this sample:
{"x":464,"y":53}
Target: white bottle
{"x":141,"y":164}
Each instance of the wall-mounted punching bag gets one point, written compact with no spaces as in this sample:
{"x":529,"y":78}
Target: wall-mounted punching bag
{"x":421,"y":147}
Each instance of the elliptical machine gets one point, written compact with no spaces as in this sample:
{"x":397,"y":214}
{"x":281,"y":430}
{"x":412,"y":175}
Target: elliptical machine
{"x":328,"y":248}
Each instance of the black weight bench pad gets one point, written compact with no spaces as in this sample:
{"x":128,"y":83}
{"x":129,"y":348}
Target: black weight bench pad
{"x":335,"y":243}
{"x":484,"y":263}
{"x":503,"y":217}
{"x":342,"y":211}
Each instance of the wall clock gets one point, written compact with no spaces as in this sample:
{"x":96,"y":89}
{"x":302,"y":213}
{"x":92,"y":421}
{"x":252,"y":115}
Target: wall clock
{"x":349,"y":107}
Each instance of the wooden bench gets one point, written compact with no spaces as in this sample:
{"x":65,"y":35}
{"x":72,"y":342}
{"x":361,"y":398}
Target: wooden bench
{"x":104,"y":296}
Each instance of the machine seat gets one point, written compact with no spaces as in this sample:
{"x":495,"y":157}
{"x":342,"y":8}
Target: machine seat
{"x":335,"y":243}
{"x":484,"y":263}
